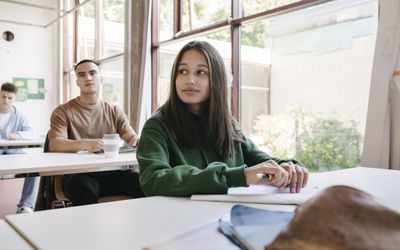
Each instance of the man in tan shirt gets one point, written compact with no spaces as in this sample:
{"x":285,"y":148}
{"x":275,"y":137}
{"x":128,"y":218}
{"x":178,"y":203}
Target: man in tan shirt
{"x":79,"y":125}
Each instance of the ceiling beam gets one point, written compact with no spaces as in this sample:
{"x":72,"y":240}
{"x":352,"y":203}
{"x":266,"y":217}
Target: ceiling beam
{"x":33,"y":5}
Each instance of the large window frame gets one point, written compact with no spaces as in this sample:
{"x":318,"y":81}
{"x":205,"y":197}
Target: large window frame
{"x":173,"y":30}
{"x":234,"y":23}
{"x":70,"y":58}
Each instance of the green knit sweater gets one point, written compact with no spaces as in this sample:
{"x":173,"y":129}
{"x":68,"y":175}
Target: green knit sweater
{"x":170,"y":170}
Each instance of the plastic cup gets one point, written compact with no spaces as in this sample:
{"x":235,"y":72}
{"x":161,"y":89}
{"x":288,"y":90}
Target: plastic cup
{"x":111,"y":145}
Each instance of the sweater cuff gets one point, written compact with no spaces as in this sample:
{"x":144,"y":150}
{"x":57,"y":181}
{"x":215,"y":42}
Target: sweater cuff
{"x":235,"y":177}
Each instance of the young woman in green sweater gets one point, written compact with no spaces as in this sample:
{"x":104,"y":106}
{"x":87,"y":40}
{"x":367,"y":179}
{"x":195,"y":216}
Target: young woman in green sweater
{"x":192,"y":144}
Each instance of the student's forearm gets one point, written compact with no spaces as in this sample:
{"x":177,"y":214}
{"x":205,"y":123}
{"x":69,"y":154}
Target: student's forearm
{"x":65,"y":145}
{"x":130,"y":138}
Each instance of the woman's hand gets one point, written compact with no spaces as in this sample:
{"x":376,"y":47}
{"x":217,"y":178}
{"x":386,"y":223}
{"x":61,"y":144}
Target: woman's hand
{"x":278,"y":176}
{"x":298,"y":176}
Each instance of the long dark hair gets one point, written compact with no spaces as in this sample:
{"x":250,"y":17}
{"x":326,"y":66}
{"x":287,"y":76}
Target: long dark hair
{"x":220,"y":123}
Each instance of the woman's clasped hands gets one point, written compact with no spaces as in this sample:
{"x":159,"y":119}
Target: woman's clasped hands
{"x":282,"y":175}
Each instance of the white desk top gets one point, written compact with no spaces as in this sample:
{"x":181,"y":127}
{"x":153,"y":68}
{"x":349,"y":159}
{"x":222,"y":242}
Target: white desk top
{"x":128,"y":224}
{"x":384,"y":184}
{"x":21,"y":143}
{"x":62,"y":163}
{"x":132,"y":224}
{"x":10,"y":239}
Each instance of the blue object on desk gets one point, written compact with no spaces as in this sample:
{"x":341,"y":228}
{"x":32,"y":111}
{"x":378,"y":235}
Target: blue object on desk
{"x":226,"y":229}
{"x":253,"y":228}
{"x":126,"y":149}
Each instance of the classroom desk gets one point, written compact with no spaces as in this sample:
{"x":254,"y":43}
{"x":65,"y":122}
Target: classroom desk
{"x":132,"y":224}
{"x":48,"y":164}
{"x":21,"y":143}
{"x":384,"y":184}
{"x":128,"y":224}
{"x":10,"y":239}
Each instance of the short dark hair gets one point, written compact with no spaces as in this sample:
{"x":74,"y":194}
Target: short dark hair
{"x":9,"y":87}
{"x":85,"y":61}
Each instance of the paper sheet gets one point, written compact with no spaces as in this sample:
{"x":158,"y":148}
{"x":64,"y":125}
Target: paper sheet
{"x":261,"y":194}
{"x":203,"y":237}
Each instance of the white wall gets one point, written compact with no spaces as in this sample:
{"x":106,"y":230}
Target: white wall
{"x":32,"y":54}
{"x":377,"y":131}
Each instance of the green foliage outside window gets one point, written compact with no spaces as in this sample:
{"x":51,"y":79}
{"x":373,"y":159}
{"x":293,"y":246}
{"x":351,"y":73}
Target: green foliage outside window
{"x":320,"y":143}
{"x":252,"y":34}
{"x":113,"y":10}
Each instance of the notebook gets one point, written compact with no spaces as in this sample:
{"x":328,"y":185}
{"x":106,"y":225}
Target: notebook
{"x":199,"y":238}
{"x":127,"y":149}
{"x":253,"y":228}
{"x":261,"y":194}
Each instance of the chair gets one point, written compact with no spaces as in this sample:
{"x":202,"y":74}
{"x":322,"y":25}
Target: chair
{"x":48,"y":196}
{"x":51,"y":196}
{"x":62,"y":201}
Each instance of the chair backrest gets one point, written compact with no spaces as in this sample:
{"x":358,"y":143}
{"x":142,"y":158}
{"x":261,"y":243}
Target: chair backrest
{"x":50,"y":188}
{"x":46,"y":193}
{"x":46,"y":144}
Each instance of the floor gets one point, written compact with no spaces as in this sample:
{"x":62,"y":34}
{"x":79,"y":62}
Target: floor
{"x":10,"y":192}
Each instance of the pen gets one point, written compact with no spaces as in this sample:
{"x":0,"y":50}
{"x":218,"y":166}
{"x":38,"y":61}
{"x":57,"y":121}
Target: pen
{"x":264,"y":176}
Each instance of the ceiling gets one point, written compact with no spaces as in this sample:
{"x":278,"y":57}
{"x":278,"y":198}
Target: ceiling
{"x":38,"y":13}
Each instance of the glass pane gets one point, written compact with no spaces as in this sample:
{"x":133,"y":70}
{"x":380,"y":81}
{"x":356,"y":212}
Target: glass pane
{"x":73,"y":90}
{"x":113,"y":82}
{"x":251,"y":7}
{"x":70,"y":33}
{"x":73,"y":87}
{"x":305,"y":82}
{"x":70,"y":4}
{"x":113,"y":32}
{"x":200,"y":13}
{"x":166,"y":19}
{"x":70,"y":41}
{"x":86,"y":29}
{"x":169,"y":52}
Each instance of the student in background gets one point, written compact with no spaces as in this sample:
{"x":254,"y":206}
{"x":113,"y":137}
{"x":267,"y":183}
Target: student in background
{"x":15,"y":126}
{"x":79,"y":125}
{"x":193,"y":145}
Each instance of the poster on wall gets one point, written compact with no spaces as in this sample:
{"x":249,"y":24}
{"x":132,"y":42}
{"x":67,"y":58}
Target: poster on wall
{"x":29,"y":88}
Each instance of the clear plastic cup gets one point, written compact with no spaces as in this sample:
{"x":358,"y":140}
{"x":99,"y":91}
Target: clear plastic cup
{"x":111,"y":145}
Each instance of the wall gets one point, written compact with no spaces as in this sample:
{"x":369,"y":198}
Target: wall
{"x":32,"y":54}
{"x":377,"y":141}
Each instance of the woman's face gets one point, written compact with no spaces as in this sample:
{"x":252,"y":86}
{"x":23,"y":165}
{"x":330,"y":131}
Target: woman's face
{"x":192,"y":81}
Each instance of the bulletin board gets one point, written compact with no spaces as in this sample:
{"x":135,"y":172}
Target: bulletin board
{"x":29,"y":88}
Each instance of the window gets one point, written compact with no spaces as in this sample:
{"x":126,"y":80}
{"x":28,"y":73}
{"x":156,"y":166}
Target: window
{"x":303,"y":77}
{"x":251,"y":7}
{"x":113,"y":28}
{"x":200,"y":13}
{"x":99,"y":35}
{"x":167,"y":56}
{"x":307,"y":97}
{"x":86,"y":31}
